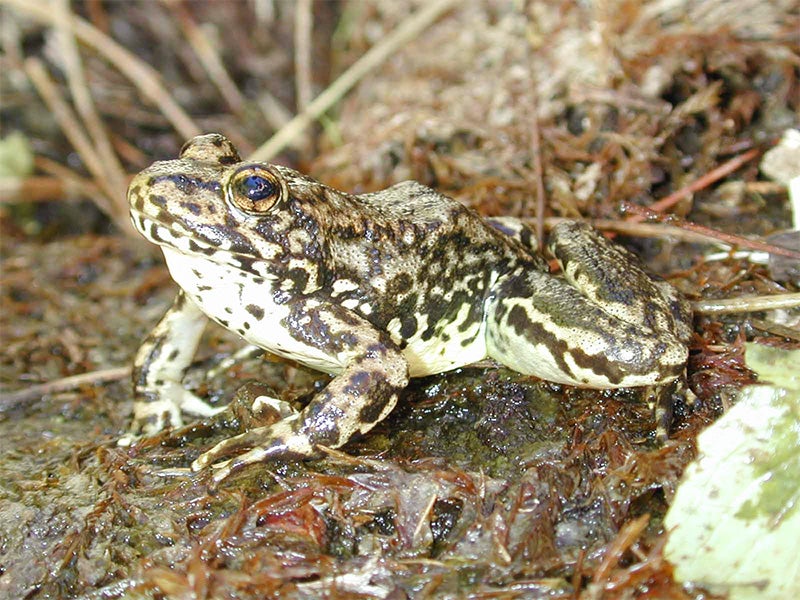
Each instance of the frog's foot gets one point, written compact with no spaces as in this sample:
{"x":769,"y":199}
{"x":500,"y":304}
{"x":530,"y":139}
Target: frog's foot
{"x":325,"y":421}
{"x":277,"y":441}
{"x":154,"y":413}
{"x":158,"y":371}
{"x":353,"y":402}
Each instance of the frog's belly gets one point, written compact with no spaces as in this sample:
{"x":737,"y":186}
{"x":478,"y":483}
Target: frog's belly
{"x":229,"y":296}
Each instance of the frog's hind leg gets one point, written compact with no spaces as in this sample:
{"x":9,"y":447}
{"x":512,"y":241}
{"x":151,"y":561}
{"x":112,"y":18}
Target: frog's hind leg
{"x":614,"y":278}
{"x":353,"y":402}
{"x":606,"y":324}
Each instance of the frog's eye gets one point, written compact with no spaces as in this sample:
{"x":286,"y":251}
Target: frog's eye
{"x":254,"y":189}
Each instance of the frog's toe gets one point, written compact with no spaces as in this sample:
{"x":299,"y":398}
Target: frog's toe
{"x":150,"y":419}
{"x":262,"y":443}
{"x":194,"y":405}
{"x":224,"y":469}
{"x":154,"y":416}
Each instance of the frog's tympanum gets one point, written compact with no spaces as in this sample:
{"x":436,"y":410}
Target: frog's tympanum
{"x":376,"y":288}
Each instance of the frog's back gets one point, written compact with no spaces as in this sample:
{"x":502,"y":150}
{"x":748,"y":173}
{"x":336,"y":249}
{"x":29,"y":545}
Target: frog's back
{"x":415,"y":220}
{"x":418,"y":265}
{"x":411,"y":201}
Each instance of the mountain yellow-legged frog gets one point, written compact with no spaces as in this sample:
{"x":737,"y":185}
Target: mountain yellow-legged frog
{"x":376,"y":288}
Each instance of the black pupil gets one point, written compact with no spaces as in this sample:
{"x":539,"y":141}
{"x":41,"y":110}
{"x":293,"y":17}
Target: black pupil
{"x":256,"y":187}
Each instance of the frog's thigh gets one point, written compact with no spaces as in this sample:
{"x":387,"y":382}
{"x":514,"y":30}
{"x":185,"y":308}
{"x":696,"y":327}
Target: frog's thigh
{"x":615,"y":279}
{"x":541,"y":325}
{"x":159,"y":367}
{"x":354,"y":401}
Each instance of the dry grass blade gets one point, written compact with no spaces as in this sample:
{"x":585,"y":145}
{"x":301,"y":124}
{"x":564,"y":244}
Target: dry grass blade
{"x":107,"y":158}
{"x":303,"y":25}
{"x":376,"y":55}
{"x":82,"y":186}
{"x":208,"y":56}
{"x":789,"y":333}
{"x":648,"y":230}
{"x":68,"y":122}
{"x":41,"y":189}
{"x":143,"y":76}
{"x":743,"y":305}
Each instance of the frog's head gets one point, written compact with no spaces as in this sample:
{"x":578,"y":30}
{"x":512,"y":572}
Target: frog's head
{"x":209,"y":203}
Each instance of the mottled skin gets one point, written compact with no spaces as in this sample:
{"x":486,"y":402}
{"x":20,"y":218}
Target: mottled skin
{"x":375,"y":288}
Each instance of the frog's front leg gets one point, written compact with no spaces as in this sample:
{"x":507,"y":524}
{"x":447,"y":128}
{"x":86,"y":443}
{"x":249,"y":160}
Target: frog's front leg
{"x":361,"y":395}
{"x":605,"y":324}
{"x":159,"y":367}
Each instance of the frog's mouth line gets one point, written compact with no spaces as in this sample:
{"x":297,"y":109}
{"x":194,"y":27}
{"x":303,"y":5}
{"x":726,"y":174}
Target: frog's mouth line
{"x":226,"y":247}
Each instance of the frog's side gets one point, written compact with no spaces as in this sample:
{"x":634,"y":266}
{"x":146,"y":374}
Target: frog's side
{"x":375,"y":288}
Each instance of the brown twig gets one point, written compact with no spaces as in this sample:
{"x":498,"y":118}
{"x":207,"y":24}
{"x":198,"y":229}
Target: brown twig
{"x":536,"y":149}
{"x":727,"y":238}
{"x":626,"y":537}
{"x":208,"y":56}
{"x":700,"y":183}
{"x":11,"y":400}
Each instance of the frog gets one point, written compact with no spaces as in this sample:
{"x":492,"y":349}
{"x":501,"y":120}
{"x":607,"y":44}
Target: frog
{"x":376,"y":288}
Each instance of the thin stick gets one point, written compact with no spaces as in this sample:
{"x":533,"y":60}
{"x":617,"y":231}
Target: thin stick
{"x":728,"y":238}
{"x":144,"y":77}
{"x":653,"y":230}
{"x":408,"y":30}
{"x":746,"y":304}
{"x":536,"y":150}
{"x":700,"y":183}
{"x":303,"y":24}
{"x":14,"y":399}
